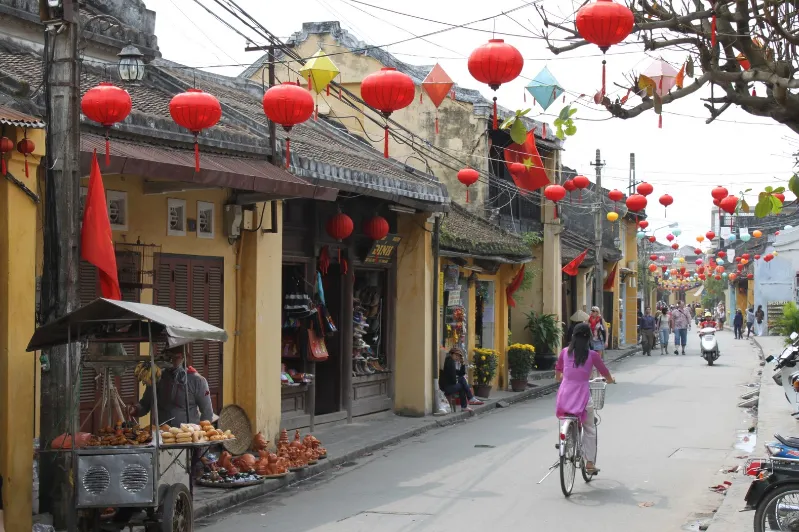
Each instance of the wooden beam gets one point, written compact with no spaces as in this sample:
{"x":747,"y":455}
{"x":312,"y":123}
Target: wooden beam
{"x":166,"y":187}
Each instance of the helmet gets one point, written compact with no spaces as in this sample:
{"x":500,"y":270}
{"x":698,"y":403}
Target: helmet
{"x":707,"y":314}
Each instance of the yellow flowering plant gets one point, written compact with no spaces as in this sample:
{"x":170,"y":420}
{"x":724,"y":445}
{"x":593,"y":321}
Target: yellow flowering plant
{"x":485,"y":365}
{"x":521,"y":359}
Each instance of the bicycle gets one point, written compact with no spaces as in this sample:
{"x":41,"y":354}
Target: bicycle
{"x":570,"y":446}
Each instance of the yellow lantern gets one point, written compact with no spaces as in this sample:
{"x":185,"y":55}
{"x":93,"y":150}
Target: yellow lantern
{"x":612,"y":216}
{"x":682,"y":259}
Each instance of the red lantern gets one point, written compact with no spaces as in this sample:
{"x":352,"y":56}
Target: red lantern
{"x":779,"y":196}
{"x":717,"y":277}
{"x":195,"y":110}
{"x":740,"y":267}
{"x":581,"y":182}
{"x":615,"y":196}
{"x":776,"y":233}
{"x":6,"y":146}
{"x":743,"y":61}
{"x":555,"y":193}
{"x":664,"y":268}
{"x":652,"y":239}
{"x":604,"y":23}
{"x":669,"y":237}
{"x":738,"y":259}
{"x":665,"y":200}
{"x":468,"y":176}
{"x":697,"y":251}
{"x":26,"y":147}
{"x":107,"y":104}
{"x":288,"y":105}
{"x":376,"y":228}
{"x":768,"y":258}
{"x":757,"y":257}
{"x":635,"y":202}
{"x":675,"y":246}
{"x":653,"y":257}
{"x":733,"y":276}
{"x":643,"y":224}
{"x":652,"y":267}
{"x":720,"y":269}
{"x":750,"y":276}
{"x":495,"y":63}
{"x":387,"y":91}
{"x":710,"y":235}
{"x":745,"y":256}
{"x":728,"y":204}
{"x":719,"y":193}
{"x":339,"y":226}
{"x":716,"y":202}
{"x":645,"y":189}
{"x":721,"y":254}
{"x":568,"y":184}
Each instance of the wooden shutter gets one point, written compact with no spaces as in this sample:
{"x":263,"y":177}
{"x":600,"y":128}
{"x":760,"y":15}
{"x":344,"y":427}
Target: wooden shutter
{"x":214,"y":317}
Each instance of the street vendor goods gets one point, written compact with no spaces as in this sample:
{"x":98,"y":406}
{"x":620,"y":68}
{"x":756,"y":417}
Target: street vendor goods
{"x":143,"y":373}
{"x":190,"y":433}
{"x":122,"y":434}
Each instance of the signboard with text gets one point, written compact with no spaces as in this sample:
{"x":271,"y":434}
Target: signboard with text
{"x":382,"y":250}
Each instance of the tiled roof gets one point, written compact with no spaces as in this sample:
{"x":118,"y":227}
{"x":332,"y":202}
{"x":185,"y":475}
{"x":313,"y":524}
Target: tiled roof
{"x":12,"y":117}
{"x":468,"y":233}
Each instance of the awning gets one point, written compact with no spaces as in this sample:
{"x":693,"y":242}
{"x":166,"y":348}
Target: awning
{"x":167,"y":324}
{"x":175,"y":164}
{"x":12,"y":117}
{"x":699,"y":292}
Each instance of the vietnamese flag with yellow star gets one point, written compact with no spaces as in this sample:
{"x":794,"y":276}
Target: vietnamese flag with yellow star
{"x":534,"y":177}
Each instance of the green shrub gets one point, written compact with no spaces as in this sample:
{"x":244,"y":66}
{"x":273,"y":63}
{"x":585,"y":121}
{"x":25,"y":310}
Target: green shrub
{"x":485,"y":365}
{"x":521,"y":358}
{"x":788,"y":322}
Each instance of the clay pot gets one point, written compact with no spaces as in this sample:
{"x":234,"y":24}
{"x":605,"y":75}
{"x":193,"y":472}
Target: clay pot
{"x":518,"y":385}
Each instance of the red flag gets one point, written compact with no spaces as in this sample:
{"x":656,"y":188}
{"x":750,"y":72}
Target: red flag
{"x":514,"y":286}
{"x":535,"y":177}
{"x":571,"y":268}
{"x":611,"y":278}
{"x":96,"y":245}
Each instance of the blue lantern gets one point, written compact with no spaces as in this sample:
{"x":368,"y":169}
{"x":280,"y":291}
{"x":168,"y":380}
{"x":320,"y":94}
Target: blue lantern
{"x":724,"y":275}
{"x":720,"y":262}
{"x":731,"y":238}
{"x":676,"y":232}
{"x":640,"y":234}
{"x":746,"y":237}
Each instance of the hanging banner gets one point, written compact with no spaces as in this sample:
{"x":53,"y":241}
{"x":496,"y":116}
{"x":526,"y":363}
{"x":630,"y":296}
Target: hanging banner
{"x":383,"y":250}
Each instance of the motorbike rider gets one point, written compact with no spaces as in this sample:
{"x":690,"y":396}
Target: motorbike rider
{"x":707,"y":321}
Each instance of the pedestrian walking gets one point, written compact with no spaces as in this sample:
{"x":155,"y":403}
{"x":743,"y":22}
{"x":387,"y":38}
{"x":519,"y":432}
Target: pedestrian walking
{"x":760,"y":317}
{"x":647,"y":332}
{"x":750,"y":320}
{"x":664,"y":328}
{"x":680,"y":324}
{"x":721,"y":316}
{"x":738,"y":324}
{"x":599,"y":331}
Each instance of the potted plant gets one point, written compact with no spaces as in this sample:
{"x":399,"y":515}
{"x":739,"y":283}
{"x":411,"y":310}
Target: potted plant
{"x":521,"y":358}
{"x":485,"y":369}
{"x":546,"y":331}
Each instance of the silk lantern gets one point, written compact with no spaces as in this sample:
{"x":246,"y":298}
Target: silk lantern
{"x":669,"y":237}
{"x":197,"y":110}
{"x":677,"y":232}
{"x":728,"y":204}
{"x":612,"y":216}
{"x":376,"y":227}
{"x":675,"y":246}
{"x":640,"y":235}
{"x":652,"y":267}
{"x":645,"y":189}
{"x":387,"y":90}
{"x":339,"y":226}
{"x":635,"y":202}
{"x":604,"y":23}
{"x":107,"y":104}
{"x":652,"y":239}
{"x":288,"y":105}
{"x":26,"y":146}
{"x":722,"y":254}
{"x":768,"y":258}
{"x":697,"y":251}
{"x":6,"y":146}
{"x":468,"y":176}
{"x":719,"y":193}
{"x":495,"y":63}
{"x":757,"y":233}
{"x":643,"y":224}
{"x":437,"y":85}
{"x":710,"y":235}
{"x":757,"y":257}
{"x":581,"y":182}
{"x":653,"y":257}
{"x":750,"y":276}
{"x":665,"y":200}
{"x":700,"y":239}
{"x":569,"y":186}
{"x":615,"y":196}
{"x":555,"y":193}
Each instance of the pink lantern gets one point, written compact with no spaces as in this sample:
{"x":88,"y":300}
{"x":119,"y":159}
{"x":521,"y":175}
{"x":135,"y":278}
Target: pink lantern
{"x":658,"y":78}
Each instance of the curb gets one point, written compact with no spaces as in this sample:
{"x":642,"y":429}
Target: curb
{"x":240,"y":496}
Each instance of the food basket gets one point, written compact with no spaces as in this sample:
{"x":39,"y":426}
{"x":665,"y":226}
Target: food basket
{"x":598,"y":393}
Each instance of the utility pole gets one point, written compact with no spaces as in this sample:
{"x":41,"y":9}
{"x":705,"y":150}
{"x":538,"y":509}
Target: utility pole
{"x":633,"y":182}
{"x":598,"y":281}
{"x":59,"y":291}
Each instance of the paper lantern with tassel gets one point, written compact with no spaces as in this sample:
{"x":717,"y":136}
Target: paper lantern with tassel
{"x":288,"y":105}
{"x":319,"y":70}
{"x":645,"y":189}
{"x":636,"y":203}
{"x":665,"y":200}
{"x":376,"y":227}
{"x":612,"y":216}
{"x":468,"y":176}
{"x":26,"y":146}
{"x":196,"y":110}
{"x":387,"y":91}
{"x":107,"y":104}
{"x":6,"y":146}
{"x":581,"y":182}
{"x":437,"y":85}
{"x":339,"y":226}
{"x":555,"y":193}
{"x":615,"y":196}
{"x":495,"y":63}
{"x":658,"y":79}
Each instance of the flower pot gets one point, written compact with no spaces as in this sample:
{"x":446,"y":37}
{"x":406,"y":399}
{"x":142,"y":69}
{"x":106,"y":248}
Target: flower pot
{"x":482,"y":390}
{"x":518,"y":385}
{"x":545,"y":362}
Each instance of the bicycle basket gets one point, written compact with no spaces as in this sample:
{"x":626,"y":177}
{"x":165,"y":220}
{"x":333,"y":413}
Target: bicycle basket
{"x":598,"y":394}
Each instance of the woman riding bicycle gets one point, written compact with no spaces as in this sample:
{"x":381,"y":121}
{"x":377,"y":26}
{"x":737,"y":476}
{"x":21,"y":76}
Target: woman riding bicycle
{"x":574,"y":367}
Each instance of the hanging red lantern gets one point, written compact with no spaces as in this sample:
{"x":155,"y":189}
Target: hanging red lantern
{"x":780,"y":196}
{"x":740,"y":267}
{"x":738,"y":259}
{"x":768,"y":258}
{"x":776,"y":233}
{"x":604,"y":23}
{"x":719,"y":193}
{"x":664,"y":268}
{"x":339,"y":226}
{"x":196,"y":110}
{"x":643,"y":224}
{"x":581,"y":182}
{"x":743,"y":61}
{"x":750,"y":276}
{"x":716,"y":202}
{"x":670,"y":237}
{"x":757,"y":257}
{"x":728,"y":204}
{"x":288,"y":105}
{"x":653,"y":257}
{"x":387,"y":90}
{"x":635,"y":202}
{"x":720,"y":269}
{"x":675,"y":246}
{"x":107,"y":104}
{"x":615,"y":196}
{"x":697,"y":251}
{"x":645,"y":189}
{"x":26,"y":147}
{"x":745,"y":256}
{"x":6,"y":146}
{"x":652,"y":239}
{"x":495,"y":63}
{"x":721,"y":254}
{"x":710,"y":235}
{"x":468,"y":176}
{"x":717,"y":277}
{"x":652,"y":267}
{"x":698,"y":262}
{"x":569,"y":186}
{"x":376,"y":227}
{"x":665,"y":200}
{"x":555,"y":193}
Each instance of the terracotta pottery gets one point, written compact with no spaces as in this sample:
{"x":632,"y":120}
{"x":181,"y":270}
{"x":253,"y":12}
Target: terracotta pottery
{"x":259,"y":443}
{"x":518,"y":385}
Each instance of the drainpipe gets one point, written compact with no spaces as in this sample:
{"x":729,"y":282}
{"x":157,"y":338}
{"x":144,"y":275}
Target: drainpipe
{"x":434,"y":336}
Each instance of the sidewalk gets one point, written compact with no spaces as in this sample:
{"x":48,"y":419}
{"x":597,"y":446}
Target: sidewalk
{"x":773,"y":416}
{"x":367,"y":434}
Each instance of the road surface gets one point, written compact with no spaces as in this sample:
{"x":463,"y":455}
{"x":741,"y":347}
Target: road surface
{"x":668,"y":428}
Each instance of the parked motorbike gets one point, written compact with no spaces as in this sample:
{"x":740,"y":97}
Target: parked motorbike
{"x":774,"y":494}
{"x":708,"y":345}
{"x":786,"y":374}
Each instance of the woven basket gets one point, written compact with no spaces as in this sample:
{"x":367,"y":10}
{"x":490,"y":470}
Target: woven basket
{"x":234,"y":419}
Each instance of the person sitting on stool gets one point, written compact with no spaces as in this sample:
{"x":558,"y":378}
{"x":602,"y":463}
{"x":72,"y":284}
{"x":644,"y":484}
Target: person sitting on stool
{"x":452,"y":380}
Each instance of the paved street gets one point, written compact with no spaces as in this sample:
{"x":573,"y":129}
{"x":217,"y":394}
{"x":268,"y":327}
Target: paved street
{"x":667,"y":429}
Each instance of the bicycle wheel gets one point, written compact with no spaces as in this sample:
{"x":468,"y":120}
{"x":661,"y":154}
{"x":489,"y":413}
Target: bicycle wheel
{"x":586,"y":476}
{"x":568,"y":460}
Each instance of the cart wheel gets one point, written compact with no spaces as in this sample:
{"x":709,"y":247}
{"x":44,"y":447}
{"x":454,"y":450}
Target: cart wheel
{"x":178,"y":513}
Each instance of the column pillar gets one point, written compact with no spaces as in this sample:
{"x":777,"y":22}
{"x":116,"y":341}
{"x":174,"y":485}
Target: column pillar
{"x":414,"y":319}
{"x":18,"y":226}
{"x":257,"y":352}
{"x":582,"y":301}
{"x":551,"y":274}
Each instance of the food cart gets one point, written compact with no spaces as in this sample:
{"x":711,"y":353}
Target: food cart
{"x":125,"y":477}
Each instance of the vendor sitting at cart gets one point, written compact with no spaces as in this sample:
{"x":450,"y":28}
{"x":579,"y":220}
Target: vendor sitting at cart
{"x":171,"y":389}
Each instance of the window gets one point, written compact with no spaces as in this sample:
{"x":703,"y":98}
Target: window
{"x":205,"y":219}
{"x":117,"y":201}
{"x":176,"y":217}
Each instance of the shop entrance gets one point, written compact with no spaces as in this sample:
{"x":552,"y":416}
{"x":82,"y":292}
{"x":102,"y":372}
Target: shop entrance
{"x":484,"y":314}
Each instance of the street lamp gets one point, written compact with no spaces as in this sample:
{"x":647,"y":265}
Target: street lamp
{"x":131,"y":64}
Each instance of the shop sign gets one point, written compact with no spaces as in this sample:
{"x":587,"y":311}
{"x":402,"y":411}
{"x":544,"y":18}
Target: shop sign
{"x":451,"y":278}
{"x":454,"y":299}
{"x":383,"y":250}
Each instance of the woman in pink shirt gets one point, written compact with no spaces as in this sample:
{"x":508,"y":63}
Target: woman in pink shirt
{"x":573,"y":371}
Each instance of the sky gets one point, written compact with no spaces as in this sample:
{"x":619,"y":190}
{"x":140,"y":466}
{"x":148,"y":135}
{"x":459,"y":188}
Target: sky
{"x":686,"y":158}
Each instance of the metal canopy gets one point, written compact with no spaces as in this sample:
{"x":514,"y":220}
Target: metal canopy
{"x":167,"y":324}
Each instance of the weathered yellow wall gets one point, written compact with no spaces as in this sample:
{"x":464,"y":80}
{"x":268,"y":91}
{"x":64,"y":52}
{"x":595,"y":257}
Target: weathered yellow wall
{"x":18,"y":225}
{"x":460,"y":130}
{"x":631,"y":308}
{"x":414,"y":366}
